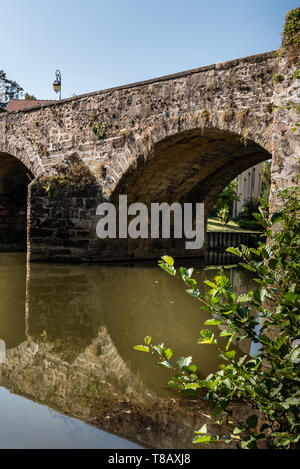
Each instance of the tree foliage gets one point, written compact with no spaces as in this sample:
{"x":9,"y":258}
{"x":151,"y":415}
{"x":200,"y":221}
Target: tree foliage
{"x":223,"y":214}
{"x":226,"y":198}
{"x":30,"y":97}
{"x":8,"y":90}
{"x":269,"y":316}
{"x":266,"y":180}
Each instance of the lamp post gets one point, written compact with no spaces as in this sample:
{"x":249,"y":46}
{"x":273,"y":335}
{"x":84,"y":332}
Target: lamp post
{"x":57,"y":83}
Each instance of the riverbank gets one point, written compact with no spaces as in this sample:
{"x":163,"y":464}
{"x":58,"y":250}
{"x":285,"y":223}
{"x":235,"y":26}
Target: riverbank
{"x":215,"y":225}
{"x":222,"y":236}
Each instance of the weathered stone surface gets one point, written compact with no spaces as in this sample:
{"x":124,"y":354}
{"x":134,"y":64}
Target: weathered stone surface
{"x":177,"y":138}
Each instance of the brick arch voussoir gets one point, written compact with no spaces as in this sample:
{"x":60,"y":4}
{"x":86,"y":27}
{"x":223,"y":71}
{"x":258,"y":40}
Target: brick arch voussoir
{"x":32,"y":162}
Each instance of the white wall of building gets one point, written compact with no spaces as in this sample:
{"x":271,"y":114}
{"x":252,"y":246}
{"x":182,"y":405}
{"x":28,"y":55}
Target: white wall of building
{"x":249,"y":187}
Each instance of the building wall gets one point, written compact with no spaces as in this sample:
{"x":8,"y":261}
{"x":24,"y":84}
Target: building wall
{"x":249,"y":187}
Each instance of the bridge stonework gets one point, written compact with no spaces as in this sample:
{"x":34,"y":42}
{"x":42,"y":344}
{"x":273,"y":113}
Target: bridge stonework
{"x":182,"y":137}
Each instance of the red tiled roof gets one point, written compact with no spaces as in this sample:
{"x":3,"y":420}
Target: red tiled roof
{"x":18,"y":104}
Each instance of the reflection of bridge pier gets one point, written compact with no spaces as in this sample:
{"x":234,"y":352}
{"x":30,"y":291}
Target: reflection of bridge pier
{"x":12,"y":299}
{"x":86,"y":390}
{"x":70,"y":363}
{"x":62,"y":302}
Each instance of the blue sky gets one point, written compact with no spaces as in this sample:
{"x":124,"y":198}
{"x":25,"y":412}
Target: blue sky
{"x":98,"y":44}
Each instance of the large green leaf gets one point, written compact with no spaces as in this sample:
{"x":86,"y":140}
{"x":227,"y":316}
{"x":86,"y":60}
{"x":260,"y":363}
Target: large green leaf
{"x":141,"y":348}
{"x":184,"y":361}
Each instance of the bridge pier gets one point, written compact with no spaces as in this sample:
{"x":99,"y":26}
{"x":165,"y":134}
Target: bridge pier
{"x":61,"y":222}
{"x":62,"y":228}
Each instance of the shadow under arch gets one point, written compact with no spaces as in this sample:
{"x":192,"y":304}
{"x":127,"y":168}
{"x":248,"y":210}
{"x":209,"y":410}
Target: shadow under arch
{"x":14,"y":180}
{"x":190,"y":166}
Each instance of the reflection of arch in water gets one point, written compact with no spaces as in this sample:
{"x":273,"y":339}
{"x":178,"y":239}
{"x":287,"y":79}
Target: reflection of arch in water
{"x":69,"y":305}
{"x":89,"y":389}
{"x":92,"y":377}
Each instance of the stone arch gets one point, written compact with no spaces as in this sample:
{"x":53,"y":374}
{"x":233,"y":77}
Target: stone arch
{"x":140,"y":147}
{"x":32,"y":162}
{"x":191,"y":165}
{"x":15,"y":176}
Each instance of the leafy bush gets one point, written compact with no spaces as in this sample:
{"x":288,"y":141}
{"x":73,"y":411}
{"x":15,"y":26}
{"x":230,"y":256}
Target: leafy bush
{"x":226,"y":198}
{"x":249,"y":225}
{"x":250,"y":206}
{"x":8,"y":90}
{"x":223,"y":214}
{"x":291,"y":35}
{"x":266,"y":181}
{"x":269,"y":381}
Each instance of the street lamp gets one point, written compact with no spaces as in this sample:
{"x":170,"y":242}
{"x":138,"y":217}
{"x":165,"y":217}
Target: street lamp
{"x":57,"y":83}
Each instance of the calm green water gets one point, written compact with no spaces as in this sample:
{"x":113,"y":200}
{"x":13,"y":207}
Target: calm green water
{"x":71,"y":378}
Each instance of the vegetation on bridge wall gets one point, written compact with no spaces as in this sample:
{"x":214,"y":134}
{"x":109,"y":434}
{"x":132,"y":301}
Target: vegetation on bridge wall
{"x":71,"y":175}
{"x":62,"y":212}
{"x":291,"y":35}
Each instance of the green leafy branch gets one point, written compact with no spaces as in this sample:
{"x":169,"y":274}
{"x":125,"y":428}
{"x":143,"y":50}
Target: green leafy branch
{"x":99,"y":129}
{"x":269,"y":316}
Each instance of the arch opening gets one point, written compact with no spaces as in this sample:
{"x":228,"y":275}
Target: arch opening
{"x":190,"y":167}
{"x":14,"y":180}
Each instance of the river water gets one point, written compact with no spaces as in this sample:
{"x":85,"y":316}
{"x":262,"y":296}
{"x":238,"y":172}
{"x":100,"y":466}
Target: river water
{"x":71,"y":378}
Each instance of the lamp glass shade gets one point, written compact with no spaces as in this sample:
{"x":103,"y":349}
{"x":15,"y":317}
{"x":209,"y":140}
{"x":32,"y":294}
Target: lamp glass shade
{"x":56,"y":86}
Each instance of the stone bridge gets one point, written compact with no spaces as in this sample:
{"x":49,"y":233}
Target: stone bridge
{"x":180,"y":137}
